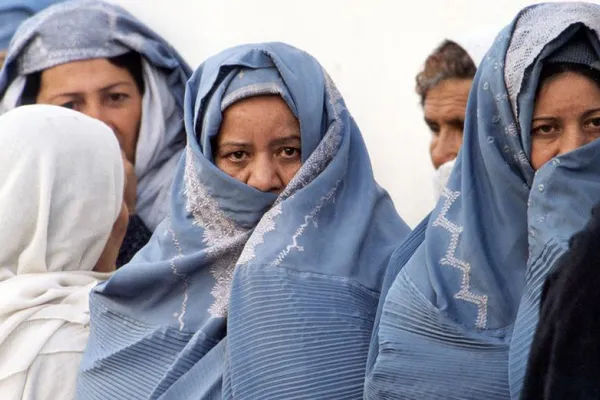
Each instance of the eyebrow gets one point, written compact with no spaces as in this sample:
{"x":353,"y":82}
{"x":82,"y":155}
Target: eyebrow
{"x":550,"y":118}
{"x":242,"y":145}
{"x":103,"y":89}
{"x":543,"y":118}
{"x":245,"y":145}
{"x":286,"y":140}
{"x":590,"y":112}
{"x":453,"y":121}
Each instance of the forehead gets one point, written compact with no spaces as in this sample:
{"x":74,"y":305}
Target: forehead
{"x":260,"y":109}
{"x":82,"y":75}
{"x":258,"y":116}
{"x":567,"y":91}
{"x":448,"y":99}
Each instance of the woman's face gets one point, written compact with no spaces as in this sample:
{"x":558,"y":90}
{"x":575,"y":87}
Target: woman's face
{"x":259,"y":143}
{"x":100,"y":90}
{"x":566,"y":116}
{"x":444,"y":108}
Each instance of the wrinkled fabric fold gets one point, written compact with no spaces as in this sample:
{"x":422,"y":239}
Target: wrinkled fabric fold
{"x":290,"y":280}
{"x":458,"y":320}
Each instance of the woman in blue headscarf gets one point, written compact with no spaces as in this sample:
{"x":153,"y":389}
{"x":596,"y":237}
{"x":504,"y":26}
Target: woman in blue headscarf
{"x":110,"y":66}
{"x":12,"y":14}
{"x":460,"y":300}
{"x":264,"y":280}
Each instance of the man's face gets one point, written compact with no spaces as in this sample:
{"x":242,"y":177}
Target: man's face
{"x":444,"y":109}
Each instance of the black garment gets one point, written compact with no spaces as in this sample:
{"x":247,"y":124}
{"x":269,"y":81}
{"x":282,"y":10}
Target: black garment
{"x":565,"y":356}
{"x":136,"y":237}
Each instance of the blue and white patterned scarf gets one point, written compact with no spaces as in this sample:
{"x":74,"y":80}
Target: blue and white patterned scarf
{"x":291,"y":280}
{"x":14,"y":12}
{"x":462,"y":296}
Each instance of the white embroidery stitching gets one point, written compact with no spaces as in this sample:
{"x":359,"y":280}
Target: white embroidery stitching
{"x":227,"y":243}
{"x":308,"y":219}
{"x":266,"y":224}
{"x":224,"y":240}
{"x":182,"y":277}
{"x":314,"y":165}
{"x":450,"y":260}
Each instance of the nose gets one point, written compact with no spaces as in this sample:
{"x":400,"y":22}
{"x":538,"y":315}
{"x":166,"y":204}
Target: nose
{"x":445,"y":146}
{"x":263,"y":175}
{"x":572,"y":139}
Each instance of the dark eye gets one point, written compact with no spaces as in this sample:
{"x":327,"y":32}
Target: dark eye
{"x":434,"y":128}
{"x":595,"y":122}
{"x":237,"y":156}
{"x":544,"y":130}
{"x":117,"y":98}
{"x":290,"y":152}
{"x":69,"y":104}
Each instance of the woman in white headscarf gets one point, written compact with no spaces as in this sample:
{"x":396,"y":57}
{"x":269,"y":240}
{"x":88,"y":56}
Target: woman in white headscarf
{"x":107,"y":64}
{"x":62,"y":223}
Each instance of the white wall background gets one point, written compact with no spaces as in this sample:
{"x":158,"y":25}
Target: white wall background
{"x":372,"y":48}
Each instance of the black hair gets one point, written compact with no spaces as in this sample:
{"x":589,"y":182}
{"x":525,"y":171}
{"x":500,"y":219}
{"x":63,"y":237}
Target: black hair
{"x":552,"y":70}
{"x":132,"y":61}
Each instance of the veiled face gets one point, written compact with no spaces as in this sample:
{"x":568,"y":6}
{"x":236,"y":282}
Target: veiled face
{"x":259,"y":143}
{"x":566,"y":116}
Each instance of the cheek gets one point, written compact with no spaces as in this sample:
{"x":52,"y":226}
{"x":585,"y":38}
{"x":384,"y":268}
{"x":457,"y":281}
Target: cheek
{"x":235,"y":171}
{"x":127,"y":123}
{"x":288,"y":171}
{"x":433,"y":144}
{"x":541,"y":153}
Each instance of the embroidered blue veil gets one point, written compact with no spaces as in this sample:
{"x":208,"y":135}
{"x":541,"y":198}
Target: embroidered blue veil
{"x":462,"y":294}
{"x":246,"y":293}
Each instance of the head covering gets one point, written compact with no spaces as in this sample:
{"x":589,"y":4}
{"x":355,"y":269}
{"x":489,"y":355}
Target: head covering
{"x":14,"y":12}
{"x":61,"y":190}
{"x":459,"y":315}
{"x":292,"y":279}
{"x":96,"y":29}
{"x":579,"y":51}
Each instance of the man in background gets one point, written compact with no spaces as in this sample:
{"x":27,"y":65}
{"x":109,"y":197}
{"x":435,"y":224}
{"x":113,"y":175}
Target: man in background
{"x":443,"y":87}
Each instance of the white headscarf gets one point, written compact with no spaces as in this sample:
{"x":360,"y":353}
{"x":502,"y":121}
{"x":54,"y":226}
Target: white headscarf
{"x":61,"y":190}
{"x":157,"y":152}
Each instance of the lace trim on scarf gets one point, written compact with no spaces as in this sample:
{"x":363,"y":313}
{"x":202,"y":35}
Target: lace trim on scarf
{"x":536,"y":27}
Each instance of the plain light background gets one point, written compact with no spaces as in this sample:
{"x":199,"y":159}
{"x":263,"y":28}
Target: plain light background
{"x":372,"y":49}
